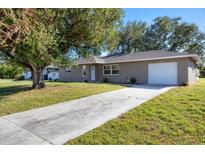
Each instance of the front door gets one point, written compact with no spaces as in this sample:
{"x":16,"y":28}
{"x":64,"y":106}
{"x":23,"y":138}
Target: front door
{"x":92,"y":73}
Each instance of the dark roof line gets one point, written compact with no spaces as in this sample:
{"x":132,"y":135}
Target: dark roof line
{"x":137,"y":56}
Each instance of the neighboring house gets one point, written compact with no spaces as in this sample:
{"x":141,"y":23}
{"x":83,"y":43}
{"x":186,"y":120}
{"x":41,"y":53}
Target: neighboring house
{"x":27,"y":75}
{"x":150,"y":67}
{"x":49,"y":73}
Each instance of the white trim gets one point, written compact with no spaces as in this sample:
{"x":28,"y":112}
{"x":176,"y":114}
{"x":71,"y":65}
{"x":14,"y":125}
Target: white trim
{"x":84,"y":69}
{"x":111,"y":70}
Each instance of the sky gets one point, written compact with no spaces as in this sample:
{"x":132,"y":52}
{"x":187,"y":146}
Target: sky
{"x":196,"y":16}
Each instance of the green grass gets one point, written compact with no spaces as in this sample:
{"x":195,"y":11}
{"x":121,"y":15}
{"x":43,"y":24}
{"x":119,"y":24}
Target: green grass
{"x":175,"y":117}
{"x":16,"y":96}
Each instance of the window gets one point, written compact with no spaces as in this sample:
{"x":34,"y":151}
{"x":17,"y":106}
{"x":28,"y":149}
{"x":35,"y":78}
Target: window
{"x":84,"y":71}
{"x":107,"y":69}
{"x":68,"y":70}
{"x":111,"y":69}
{"x":115,"y":69}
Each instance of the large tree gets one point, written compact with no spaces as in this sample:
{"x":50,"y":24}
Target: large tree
{"x":35,"y":38}
{"x":164,"y":33}
{"x":131,"y":37}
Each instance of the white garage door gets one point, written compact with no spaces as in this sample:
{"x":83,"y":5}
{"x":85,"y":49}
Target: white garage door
{"x":162,"y":73}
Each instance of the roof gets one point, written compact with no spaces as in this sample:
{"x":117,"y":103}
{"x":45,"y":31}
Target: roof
{"x":52,"y":66}
{"x":137,"y":56}
{"x":91,"y":60}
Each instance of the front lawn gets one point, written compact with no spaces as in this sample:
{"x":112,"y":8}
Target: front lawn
{"x":175,"y":117}
{"x":16,"y":96}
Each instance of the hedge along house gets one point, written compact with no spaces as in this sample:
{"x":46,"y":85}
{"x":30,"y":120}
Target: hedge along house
{"x":150,"y":67}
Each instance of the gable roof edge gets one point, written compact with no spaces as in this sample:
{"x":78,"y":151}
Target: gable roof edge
{"x":195,"y":57}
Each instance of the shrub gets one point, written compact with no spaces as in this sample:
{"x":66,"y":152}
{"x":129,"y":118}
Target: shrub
{"x":185,"y":84}
{"x":18,"y":78}
{"x":10,"y":71}
{"x":202,"y":72}
{"x":133,"y":80}
{"x":105,"y":80}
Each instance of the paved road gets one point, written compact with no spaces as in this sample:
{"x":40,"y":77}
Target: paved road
{"x":58,"y":123}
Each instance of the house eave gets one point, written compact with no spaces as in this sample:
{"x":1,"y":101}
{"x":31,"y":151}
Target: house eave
{"x":195,"y":57}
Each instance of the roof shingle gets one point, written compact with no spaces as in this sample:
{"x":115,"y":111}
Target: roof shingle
{"x":137,"y":56}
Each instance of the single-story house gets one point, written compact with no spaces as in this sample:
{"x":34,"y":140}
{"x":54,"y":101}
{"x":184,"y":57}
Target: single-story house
{"x":148,"y":67}
{"x":27,"y":74}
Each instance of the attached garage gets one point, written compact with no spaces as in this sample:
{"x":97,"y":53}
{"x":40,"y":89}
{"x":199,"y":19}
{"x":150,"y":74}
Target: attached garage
{"x":162,"y":73}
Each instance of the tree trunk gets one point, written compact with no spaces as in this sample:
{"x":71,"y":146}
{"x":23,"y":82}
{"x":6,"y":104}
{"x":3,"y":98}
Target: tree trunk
{"x":38,"y":80}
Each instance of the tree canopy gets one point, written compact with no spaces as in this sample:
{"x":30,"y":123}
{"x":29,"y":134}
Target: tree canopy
{"x":164,"y":33}
{"x":132,"y":37}
{"x":9,"y":71}
{"x":36,"y":38}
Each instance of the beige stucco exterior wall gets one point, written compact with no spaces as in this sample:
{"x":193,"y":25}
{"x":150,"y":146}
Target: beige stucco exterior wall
{"x":139,"y":70}
{"x":75,"y":75}
{"x":192,"y":72}
{"x":126,"y":71}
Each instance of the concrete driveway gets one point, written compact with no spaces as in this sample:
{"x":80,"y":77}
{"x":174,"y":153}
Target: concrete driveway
{"x":58,"y":123}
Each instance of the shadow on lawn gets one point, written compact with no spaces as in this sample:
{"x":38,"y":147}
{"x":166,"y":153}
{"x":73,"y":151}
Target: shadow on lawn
{"x":5,"y":91}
